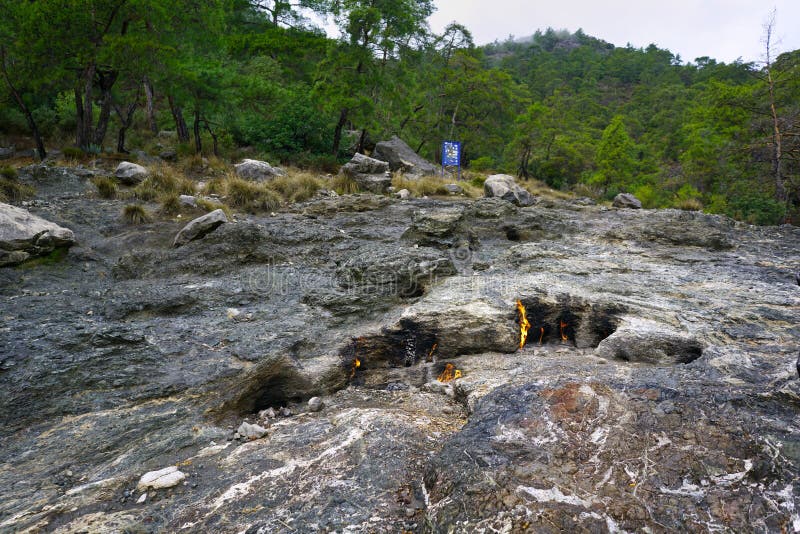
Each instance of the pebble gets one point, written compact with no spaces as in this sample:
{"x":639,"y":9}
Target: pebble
{"x":286,"y":412}
{"x":269,"y":413}
{"x":142,"y":499}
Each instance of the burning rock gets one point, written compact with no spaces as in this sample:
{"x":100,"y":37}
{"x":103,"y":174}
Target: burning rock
{"x":449,"y":374}
{"x":524,"y":325}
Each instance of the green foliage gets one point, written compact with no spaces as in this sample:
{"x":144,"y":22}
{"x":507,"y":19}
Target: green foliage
{"x":8,"y":172}
{"x":482,"y":164}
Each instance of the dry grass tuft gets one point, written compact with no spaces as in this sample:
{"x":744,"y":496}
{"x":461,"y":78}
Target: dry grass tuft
{"x":344,"y":185}
{"x":106,"y":186}
{"x":164,"y":180}
{"x":135,"y":214}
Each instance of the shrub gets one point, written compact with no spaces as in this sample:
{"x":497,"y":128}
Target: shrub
{"x":8,"y":172}
{"x":478,"y":180}
{"x":484,"y":163}
{"x":106,"y":187}
{"x":73,"y":153}
{"x":688,"y":204}
{"x":135,"y":214}
{"x":164,"y":180}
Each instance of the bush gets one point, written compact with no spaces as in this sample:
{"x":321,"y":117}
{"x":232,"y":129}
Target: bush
{"x":162,"y":181}
{"x":106,"y":187}
{"x":9,"y":173}
{"x":73,"y":153}
{"x":135,"y":214}
{"x":688,"y":204}
{"x":482,"y":164}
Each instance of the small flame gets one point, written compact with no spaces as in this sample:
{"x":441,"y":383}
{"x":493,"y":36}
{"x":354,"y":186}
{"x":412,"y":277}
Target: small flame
{"x":356,"y":365}
{"x":524,"y":324}
{"x":431,"y":352}
{"x":541,"y":334}
{"x":563,"y":325}
{"x":450,"y":373}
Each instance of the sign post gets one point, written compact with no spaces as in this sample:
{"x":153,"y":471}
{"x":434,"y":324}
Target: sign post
{"x":451,"y":156}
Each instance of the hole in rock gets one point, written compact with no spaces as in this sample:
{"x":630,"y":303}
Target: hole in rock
{"x":272,"y":384}
{"x":567,"y":320}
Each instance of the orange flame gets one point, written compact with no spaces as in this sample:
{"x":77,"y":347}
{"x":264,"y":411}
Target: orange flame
{"x":524,"y":324}
{"x":450,"y":373}
{"x":431,"y":352}
{"x":541,"y":334}
{"x":356,"y":365}
{"x":563,"y":325}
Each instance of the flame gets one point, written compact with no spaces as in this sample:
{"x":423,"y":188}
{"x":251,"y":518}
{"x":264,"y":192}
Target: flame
{"x":430,"y":352}
{"x":450,"y":373}
{"x":356,"y":365}
{"x":541,"y":334}
{"x":524,"y":324}
{"x":563,"y":325}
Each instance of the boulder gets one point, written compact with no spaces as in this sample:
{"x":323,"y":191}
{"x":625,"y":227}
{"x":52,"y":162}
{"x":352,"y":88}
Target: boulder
{"x":402,"y":157}
{"x":370,"y":174}
{"x":253,"y":169}
{"x":646,"y":342}
{"x":24,"y":235}
{"x":168,"y":154}
{"x":130,"y":173}
{"x":403,"y":194}
{"x":505,"y":187}
{"x":626,"y":200}
{"x":249,"y":431}
{"x":188,"y":200}
{"x":440,"y":228}
{"x":315,"y":404}
{"x":163,"y":478}
{"x":199,"y":227}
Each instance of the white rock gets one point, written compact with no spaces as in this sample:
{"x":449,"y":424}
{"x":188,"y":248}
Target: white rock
{"x":315,"y":404}
{"x":403,"y":194}
{"x":253,"y":169}
{"x":130,"y":173}
{"x":142,"y":498}
{"x":163,"y":478}
{"x":251,"y":431}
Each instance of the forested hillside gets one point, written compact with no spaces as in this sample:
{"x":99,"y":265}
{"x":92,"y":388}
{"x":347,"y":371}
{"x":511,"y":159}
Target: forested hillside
{"x":261,"y":77}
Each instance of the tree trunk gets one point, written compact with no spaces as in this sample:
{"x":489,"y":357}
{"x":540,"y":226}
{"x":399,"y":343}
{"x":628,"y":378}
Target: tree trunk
{"x":198,"y":143}
{"x":107,"y":79}
{"x":85,"y":110}
{"x":23,"y":108}
{"x":362,"y":139}
{"x":337,"y":133}
{"x":213,"y":137}
{"x":126,"y":121}
{"x":180,"y":124}
{"x":150,"y":105}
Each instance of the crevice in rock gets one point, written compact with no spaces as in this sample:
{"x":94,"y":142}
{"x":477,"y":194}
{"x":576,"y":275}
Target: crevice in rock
{"x":570,"y":321}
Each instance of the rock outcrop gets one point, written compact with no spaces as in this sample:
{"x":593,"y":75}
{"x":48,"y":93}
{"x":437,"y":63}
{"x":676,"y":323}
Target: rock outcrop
{"x":253,"y":169}
{"x":656,"y":390}
{"x":505,"y":187}
{"x":369,"y":173}
{"x":130,"y":173}
{"x":200,"y":227}
{"x":402,"y":157}
{"x":24,"y":235}
{"x":627,"y":200}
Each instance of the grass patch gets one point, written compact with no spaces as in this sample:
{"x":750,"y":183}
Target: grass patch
{"x":9,"y":173}
{"x":106,"y":187}
{"x":211,"y":205}
{"x":434,"y":186}
{"x":344,"y":185}
{"x":541,"y":189}
{"x":13,"y":191}
{"x":135,"y":214}
{"x":251,"y":196}
{"x":688,"y":204}
{"x":295,"y":187}
{"x":163,"y":180}
{"x":170,"y":204}
{"x":53,"y":257}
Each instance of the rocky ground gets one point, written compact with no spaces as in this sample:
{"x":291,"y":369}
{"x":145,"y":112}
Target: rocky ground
{"x":658,"y":389}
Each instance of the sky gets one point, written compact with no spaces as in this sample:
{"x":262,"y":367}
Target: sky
{"x":721,"y":29}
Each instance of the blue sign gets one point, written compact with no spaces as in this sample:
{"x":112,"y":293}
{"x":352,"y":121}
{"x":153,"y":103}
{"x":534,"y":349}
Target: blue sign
{"x":451,"y":153}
